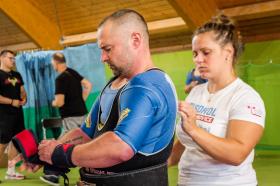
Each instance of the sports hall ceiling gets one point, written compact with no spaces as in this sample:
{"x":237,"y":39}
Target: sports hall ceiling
{"x":54,"y":24}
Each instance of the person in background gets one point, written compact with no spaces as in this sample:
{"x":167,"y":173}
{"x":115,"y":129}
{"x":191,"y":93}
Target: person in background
{"x":193,"y":79}
{"x":71,"y":92}
{"x":12,"y":98}
{"x":221,"y":120}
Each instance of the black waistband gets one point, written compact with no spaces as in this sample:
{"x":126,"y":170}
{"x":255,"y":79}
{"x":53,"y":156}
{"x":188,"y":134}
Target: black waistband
{"x":149,"y":176}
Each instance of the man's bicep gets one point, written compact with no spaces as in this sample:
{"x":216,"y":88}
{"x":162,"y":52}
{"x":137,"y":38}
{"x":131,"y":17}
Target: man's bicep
{"x":136,"y":119}
{"x":134,"y":131}
{"x":60,"y":98}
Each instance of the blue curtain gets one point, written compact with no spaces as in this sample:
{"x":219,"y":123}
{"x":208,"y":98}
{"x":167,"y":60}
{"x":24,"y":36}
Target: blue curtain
{"x":39,"y":78}
{"x":86,"y":60}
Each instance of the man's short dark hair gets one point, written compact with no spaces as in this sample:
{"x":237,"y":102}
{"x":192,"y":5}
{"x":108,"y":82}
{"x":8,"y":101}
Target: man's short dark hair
{"x":4,"y":52}
{"x":59,"y":57}
{"x":116,"y":16}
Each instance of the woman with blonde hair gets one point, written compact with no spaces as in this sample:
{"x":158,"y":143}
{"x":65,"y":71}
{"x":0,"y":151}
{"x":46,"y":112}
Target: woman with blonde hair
{"x":221,"y":120}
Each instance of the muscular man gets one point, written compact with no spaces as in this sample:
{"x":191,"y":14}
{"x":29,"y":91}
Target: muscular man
{"x":12,"y":97}
{"x":128,"y":134}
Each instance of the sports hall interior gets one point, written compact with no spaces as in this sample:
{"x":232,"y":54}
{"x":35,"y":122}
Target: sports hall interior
{"x":36,"y":28}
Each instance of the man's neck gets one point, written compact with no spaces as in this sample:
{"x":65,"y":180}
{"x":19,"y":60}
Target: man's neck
{"x":5,"y":69}
{"x":143,"y":64}
{"x":118,"y":83}
{"x":140,"y":69}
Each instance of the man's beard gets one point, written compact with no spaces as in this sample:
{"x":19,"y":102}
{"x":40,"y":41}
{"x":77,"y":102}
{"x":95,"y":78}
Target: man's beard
{"x":119,"y":71}
{"x":116,"y":71}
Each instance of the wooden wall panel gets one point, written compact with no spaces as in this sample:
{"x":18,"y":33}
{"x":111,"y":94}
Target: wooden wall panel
{"x":10,"y":33}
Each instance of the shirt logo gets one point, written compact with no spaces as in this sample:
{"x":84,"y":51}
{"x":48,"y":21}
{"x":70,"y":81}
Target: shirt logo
{"x":254,"y":110}
{"x":205,"y":114}
{"x":88,"y":121}
{"x":207,"y":119}
{"x":124,"y":114}
{"x":100,"y":126}
{"x":13,"y":81}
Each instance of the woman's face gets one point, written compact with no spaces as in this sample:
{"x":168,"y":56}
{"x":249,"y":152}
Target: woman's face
{"x":210,"y":58}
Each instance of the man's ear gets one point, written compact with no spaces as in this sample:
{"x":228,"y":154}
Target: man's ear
{"x":136,"y":39}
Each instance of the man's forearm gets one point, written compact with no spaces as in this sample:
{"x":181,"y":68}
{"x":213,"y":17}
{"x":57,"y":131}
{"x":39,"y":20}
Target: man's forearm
{"x":75,"y":136}
{"x":58,"y":100}
{"x":105,"y":151}
{"x":52,"y":151}
{"x":23,"y":96}
{"x":23,"y":100}
{"x":87,"y":86}
{"x":5,"y":100}
{"x":85,"y":94}
{"x":54,"y":103}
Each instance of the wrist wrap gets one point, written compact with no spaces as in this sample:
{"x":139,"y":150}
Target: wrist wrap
{"x":62,"y":155}
{"x":26,"y":143}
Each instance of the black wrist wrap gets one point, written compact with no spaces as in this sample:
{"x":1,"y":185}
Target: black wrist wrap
{"x":62,"y":155}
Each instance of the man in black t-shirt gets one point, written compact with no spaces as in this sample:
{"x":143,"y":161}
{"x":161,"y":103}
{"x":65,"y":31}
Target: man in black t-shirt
{"x":71,"y":91}
{"x":12,"y":97}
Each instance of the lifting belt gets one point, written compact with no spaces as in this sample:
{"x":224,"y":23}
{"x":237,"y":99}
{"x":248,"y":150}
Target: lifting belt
{"x":150,"y":176}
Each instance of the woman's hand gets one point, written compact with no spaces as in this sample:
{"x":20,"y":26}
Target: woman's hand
{"x":188,"y":116}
